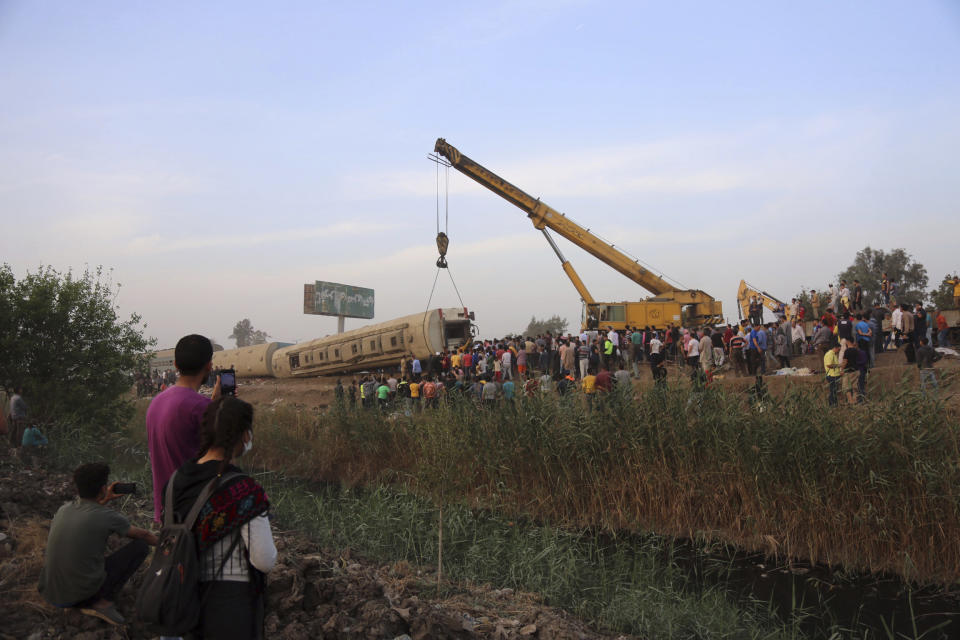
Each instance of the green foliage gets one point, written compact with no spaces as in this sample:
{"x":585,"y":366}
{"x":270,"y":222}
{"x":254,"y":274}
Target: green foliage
{"x":942,"y":296}
{"x":245,"y":335}
{"x":554,"y":324}
{"x":62,"y":340}
{"x":870,"y":264}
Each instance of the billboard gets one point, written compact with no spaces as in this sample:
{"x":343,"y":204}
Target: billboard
{"x":334,"y":299}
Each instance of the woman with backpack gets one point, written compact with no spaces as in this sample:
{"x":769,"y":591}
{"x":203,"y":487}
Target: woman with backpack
{"x":232,"y":529}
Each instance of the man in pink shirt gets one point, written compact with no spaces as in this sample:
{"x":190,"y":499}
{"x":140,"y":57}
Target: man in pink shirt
{"x":173,"y":418}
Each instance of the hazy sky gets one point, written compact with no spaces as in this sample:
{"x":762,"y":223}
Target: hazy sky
{"x":219,"y":155}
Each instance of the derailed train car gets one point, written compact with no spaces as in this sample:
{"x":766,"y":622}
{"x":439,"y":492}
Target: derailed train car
{"x":372,"y":347}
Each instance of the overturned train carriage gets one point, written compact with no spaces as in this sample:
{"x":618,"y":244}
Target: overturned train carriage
{"x":372,"y":347}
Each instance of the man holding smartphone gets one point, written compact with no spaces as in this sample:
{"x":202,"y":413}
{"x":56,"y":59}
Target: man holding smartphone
{"x":75,"y":572}
{"x":173,"y":418}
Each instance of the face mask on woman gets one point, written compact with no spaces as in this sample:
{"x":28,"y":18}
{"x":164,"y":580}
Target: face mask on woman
{"x":248,"y":444}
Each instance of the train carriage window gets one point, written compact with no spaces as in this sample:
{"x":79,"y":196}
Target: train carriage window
{"x":294,"y":360}
{"x":373,"y":345}
{"x":336,"y":353}
{"x":393,"y":341}
{"x":353,"y":348}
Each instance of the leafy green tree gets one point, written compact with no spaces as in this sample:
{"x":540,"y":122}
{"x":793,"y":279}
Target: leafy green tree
{"x":245,"y":335}
{"x":64,"y":342}
{"x":554,"y":324}
{"x":870,"y":264}
{"x":942,"y":296}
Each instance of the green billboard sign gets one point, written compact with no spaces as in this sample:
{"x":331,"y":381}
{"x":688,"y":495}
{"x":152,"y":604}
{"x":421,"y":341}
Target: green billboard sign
{"x":334,"y":299}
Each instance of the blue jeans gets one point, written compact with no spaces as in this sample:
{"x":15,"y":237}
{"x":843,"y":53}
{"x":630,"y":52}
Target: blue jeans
{"x":834,"y":382}
{"x":943,"y":338}
{"x":928,"y":378}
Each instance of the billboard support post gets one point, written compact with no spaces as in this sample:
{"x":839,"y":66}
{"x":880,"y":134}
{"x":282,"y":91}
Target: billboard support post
{"x":340,"y":323}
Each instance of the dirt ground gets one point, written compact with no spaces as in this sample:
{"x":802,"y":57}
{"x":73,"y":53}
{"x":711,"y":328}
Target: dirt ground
{"x":313,"y":593}
{"x":890,"y":372}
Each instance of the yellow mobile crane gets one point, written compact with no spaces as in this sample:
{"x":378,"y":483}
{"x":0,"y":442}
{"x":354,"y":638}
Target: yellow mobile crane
{"x":668,"y":304}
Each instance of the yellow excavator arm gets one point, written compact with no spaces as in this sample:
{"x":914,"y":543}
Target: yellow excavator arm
{"x":747,"y":291}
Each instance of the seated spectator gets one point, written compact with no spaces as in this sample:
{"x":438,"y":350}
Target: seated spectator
{"x":33,"y":439}
{"x":75,"y":572}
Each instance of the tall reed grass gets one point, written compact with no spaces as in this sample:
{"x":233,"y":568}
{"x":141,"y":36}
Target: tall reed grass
{"x":874,"y":487}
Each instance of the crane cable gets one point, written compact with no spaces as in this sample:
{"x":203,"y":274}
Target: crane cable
{"x":443,"y":241}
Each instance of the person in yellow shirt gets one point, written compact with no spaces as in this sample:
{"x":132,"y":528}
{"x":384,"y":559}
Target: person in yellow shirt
{"x":831,"y":365}
{"x":455,"y":359}
{"x":415,"y":394}
{"x":955,"y":281}
{"x":590,"y":388}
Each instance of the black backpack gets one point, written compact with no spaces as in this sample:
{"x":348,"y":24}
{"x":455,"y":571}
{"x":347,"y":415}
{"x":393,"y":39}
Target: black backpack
{"x":169,"y":601}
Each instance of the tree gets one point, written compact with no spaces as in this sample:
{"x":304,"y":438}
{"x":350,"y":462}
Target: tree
{"x":246,"y":335}
{"x":63,"y":341}
{"x":870,"y":264}
{"x":942,"y":296}
{"x":554,"y":324}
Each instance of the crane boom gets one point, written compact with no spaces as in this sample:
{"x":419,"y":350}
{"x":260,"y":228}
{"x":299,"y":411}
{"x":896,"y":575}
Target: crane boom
{"x":544,"y":216}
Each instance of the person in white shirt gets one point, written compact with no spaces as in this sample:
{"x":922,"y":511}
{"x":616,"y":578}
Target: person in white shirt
{"x":613,"y":337}
{"x":799,"y":338}
{"x":655,"y":345}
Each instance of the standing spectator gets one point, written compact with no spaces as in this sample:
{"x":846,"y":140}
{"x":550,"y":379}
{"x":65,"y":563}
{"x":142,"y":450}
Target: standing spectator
{"x":18,"y":417}
{"x":173,"y":417}
{"x":855,"y":374}
{"x":833,"y":370}
{"x":926,"y":356}
{"x":909,"y":325}
{"x":955,"y":281}
{"x":919,"y":324}
{"x":857,"y":295}
{"x":383,"y":395}
{"x":798,"y":338}
{"x":758,"y":340}
{"x":781,"y":347}
{"x":885,"y":288}
{"x":658,"y":365}
{"x":815,"y":304}
{"x":234,"y":540}
{"x":943,"y":330}
{"x":864,"y":335}
{"x":590,"y":388}
{"x":896,"y":320}
{"x":693,"y":351}
{"x":706,"y":354}
{"x":737,"y":344}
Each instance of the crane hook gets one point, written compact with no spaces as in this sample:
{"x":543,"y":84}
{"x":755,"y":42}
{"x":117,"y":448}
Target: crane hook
{"x":442,"y":243}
